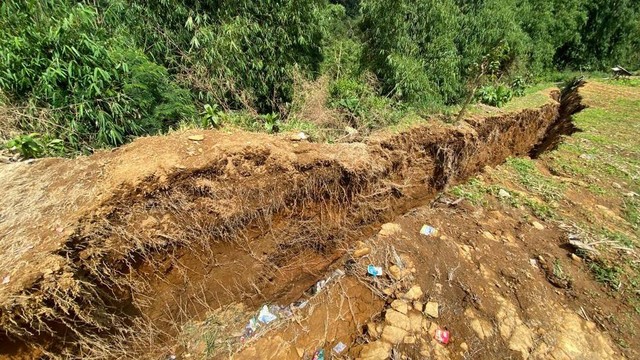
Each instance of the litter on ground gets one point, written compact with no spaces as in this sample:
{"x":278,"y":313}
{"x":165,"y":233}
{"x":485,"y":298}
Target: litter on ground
{"x":442,"y":336}
{"x":340,"y":347}
{"x":428,"y":230}
{"x":374,"y":270}
{"x":266,"y":316}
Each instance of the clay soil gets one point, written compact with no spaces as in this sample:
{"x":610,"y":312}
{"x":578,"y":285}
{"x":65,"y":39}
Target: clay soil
{"x":169,"y":245}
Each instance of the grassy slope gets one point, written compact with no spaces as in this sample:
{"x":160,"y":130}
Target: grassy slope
{"x":591,"y":183}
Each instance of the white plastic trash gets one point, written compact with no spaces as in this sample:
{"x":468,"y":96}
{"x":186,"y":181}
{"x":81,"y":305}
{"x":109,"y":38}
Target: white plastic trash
{"x":374,"y":270}
{"x":265,"y":316}
{"x":339,"y":348}
{"x":428,"y":230}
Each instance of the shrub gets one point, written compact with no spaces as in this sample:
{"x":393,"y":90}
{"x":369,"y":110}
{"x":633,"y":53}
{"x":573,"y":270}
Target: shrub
{"x":494,"y":95}
{"x":99,"y":91}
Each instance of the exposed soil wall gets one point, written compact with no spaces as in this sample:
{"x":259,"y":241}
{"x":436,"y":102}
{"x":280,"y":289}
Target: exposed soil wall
{"x":166,"y":228}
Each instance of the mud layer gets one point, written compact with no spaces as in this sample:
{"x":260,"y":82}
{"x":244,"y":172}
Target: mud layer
{"x":160,"y":231}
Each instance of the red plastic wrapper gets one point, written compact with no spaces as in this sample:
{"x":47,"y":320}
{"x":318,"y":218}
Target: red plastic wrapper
{"x":442,"y":336}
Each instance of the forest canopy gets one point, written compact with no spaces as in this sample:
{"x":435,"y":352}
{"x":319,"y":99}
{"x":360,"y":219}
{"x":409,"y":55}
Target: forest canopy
{"x":90,"y":74}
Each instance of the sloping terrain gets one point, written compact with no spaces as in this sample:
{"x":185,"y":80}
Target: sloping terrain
{"x":532,"y":259}
{"x":111,"y":254}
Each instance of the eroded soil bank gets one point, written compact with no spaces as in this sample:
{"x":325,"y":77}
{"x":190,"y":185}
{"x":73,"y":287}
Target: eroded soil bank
{"x":126,"y":246}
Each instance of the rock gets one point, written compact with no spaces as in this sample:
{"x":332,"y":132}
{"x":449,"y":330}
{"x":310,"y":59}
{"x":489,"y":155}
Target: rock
{"x":389,"y":229}
{"x":350,"y":130}
{"x":300,"y":352}
{"x":196,"y":137}
{"x":414,"y":293}
{"x":576,"y":258}
{"x":395,"y":272}
{"x":377,"y":350}
{"x":616,"y":185}
{"x":418,"y":305}
{"x":393,"y":335}
{"x":372,"y":330}
{"x":482,"y":328}
{"x":631,"y":194}
{"x":432,"y":329}
{"x":537,"y":225}
{"x":409,"y":339}
{"x":299,"y":137}
{"x":361,"y":252}
{"x":489,"y":236}
{"x":397,"y":319}
{"x":415,"y":321}
{"x":504,"y":193}
{"x":388,"y":291}
{"x":431,"y":309}
{"x":400,"y":306}
{"x":464,"y":347}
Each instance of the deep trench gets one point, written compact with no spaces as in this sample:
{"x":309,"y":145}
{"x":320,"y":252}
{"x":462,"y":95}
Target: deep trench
{"x":271,"y":231}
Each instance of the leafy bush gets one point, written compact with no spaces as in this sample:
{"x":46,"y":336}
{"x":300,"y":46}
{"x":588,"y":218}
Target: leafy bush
{"x":494,"y":95}
{"x":99,"y":92}
{"x":236,"y":53}
{"x":518,"y":86}
{"x":33,"y":146}
{"x":211,"y":116}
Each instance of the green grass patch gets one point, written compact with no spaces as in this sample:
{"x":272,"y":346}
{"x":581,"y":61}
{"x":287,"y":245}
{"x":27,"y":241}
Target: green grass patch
{"x":534,"y":181}
{"x":474,"y":191}
{"x":606,"y":274}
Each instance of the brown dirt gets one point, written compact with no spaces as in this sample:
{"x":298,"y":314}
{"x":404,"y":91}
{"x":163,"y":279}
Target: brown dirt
{"x":143,"y":239}
{"x":486,"y":270}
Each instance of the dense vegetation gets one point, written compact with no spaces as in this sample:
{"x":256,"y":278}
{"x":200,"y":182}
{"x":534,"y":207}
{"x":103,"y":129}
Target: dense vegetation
{"x":75,"y":76}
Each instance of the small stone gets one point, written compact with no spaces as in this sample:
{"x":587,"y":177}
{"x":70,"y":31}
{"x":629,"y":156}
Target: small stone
{"x":410,"y":339}
{"x":631,"y":194}
{"x":397,"y":319}
{"x":432,"y":329}
{"x":414,"y":293}
{"x":389,"y":229}
{"x":464,"y":347}
{"x":537,"y":225}
{"x":489,"y":236}
{"x":576,"y":258}
{"x":196,"y":137}
{"x":387,"y":291}
{"x":504,"y":193}
{"x":361,"y":252}
{"x":372,"y":330}
{"x":400,"y":306}
{"x":616,"y":185}
{"x":299,"y":136}
{"x":418,"y":305}
{"x":393,"y":335}
{"x":300,"y":352}
{"x":431,"y":309}
{"x":377,"y":350}
{"x":415,"y":321}
{"x":395,"y":272}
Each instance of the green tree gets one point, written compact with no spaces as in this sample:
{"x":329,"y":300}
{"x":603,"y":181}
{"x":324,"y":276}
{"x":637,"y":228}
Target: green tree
{"x":411,"y":46}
